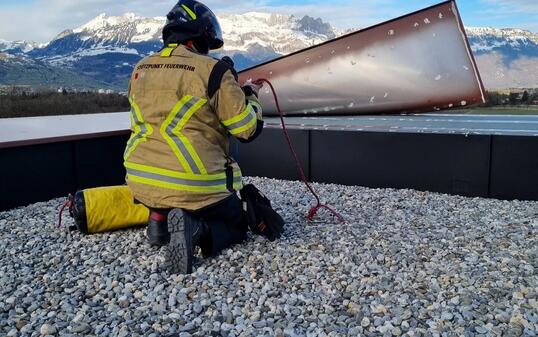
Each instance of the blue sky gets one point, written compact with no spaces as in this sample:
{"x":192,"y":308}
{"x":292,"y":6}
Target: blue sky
{"x":41,"y":20}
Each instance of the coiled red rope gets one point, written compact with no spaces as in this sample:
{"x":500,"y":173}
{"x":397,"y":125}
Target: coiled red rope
{"x":314,"y":210}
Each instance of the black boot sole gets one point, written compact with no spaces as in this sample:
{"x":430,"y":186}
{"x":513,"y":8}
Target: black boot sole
{"x":179,"y":252}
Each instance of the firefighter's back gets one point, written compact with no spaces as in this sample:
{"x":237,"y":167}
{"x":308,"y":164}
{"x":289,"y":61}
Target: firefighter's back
{"x":178,"y":152}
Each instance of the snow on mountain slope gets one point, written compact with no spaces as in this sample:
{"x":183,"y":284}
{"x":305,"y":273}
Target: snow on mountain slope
{"x":17,"y":47}
{"x":488,"y":39}
{"x":282,"y":33}
{"x":115,"y":30}
{"x":505,"y":57}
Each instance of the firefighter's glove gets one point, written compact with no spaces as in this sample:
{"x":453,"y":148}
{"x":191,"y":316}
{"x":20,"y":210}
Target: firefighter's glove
{"x":228,"y":60}
{"x":253,"y":87}
{"x":262,"y":219}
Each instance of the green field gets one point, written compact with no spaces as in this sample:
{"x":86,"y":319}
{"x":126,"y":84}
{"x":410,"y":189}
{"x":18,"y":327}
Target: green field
{"x":502,"y":110}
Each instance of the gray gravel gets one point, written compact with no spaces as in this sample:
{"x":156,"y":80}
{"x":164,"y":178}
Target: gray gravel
{"x":407,"y":263}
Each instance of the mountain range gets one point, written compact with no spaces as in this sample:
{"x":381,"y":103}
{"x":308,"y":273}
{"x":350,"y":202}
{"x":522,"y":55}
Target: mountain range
{"x":102,"y":52}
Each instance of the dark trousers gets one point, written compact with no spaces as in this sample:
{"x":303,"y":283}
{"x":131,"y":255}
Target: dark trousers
{"x":225,"y":223}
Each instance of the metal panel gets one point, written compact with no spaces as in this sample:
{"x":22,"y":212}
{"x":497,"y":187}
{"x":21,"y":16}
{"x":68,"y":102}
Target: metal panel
{"x":417,"y":63}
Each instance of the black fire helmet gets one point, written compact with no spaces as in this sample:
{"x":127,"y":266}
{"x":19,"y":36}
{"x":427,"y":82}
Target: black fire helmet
{"x":191,"y":20}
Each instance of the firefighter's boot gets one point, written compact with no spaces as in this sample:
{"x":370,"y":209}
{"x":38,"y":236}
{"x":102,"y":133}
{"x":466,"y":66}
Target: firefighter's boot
{"x":185,"y":233}
{"x":157,"y":231}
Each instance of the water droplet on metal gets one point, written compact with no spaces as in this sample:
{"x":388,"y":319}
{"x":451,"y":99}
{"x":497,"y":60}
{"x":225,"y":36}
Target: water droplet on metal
{"x":450,"y":105}
{"x":270,"y":73}
{"x":351,"y":105}
{"x":416,"y":24}
{"x":463,"y":103}
{"x":332,"y":52}
{"x":438,"y":77}
{"x":465,"y":67}
{"x":391,"y":32}
{"x":434,"y":35}
{"x":441,"y":15}
{"x":348,"y":47}
{"x":386,"y":95}
{"x":372,"y":100}
{"x":307,"y":60}
{"x":427,"y":21}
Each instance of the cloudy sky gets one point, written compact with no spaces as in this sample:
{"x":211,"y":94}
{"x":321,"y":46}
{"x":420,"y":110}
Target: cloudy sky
{"x":41,"y":20}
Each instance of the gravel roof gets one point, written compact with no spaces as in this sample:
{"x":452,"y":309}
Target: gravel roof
{"x":407,"y":263}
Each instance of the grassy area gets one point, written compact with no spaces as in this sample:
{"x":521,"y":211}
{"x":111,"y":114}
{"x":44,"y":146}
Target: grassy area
{"x":503,"y":110}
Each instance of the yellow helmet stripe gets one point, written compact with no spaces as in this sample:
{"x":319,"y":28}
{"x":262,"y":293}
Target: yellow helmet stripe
{"x":191,"y":13}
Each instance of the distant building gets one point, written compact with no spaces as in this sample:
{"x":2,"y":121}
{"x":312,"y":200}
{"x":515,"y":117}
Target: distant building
{"x":16,"y":89}
{"x":509,"y":91}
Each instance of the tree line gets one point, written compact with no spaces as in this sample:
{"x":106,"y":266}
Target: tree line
{"x":513,"y":98}
{"x":60,"y":103}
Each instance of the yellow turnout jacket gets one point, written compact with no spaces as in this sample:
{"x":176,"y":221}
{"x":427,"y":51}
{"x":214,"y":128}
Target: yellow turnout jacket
{"x":184,"y":106}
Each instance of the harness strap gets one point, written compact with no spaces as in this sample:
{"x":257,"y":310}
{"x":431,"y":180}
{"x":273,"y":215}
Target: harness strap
{"x":215,"y":78}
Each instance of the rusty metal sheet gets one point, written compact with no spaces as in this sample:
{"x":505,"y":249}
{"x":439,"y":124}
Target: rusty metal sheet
{"x":420,"y":62}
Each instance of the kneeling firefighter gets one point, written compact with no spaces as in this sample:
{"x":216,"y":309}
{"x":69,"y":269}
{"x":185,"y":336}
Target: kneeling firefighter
{"x":185,"y":105}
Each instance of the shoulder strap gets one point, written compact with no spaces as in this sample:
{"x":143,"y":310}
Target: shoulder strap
{"x":215,"y":78}
{"x":168,"y":50}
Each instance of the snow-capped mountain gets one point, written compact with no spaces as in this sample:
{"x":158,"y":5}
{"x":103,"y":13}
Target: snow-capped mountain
{"x":506,"y":57}
{"x":17,"y":47}
{"x":107,"y":47}
{"x":281,"y":33}
{"x":514,"y":43}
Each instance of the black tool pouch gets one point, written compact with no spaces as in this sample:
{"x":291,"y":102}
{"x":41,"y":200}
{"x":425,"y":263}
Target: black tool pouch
{"x":261,"y":218}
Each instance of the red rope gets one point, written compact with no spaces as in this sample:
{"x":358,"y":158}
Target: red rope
{"x":313,"y":211}
{"x":68,"y":203}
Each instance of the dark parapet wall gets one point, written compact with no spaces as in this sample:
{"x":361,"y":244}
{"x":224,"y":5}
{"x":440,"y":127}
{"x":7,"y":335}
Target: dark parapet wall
{"x":268,"y":155}
{"x":489,"y":166}
{"x":99,"y":161}
{"x":514,"y":168}
{"x":485,"y":156}
{"x":455,"y":164}
{"x":45,"y":171}
{"x":30,"y":174}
